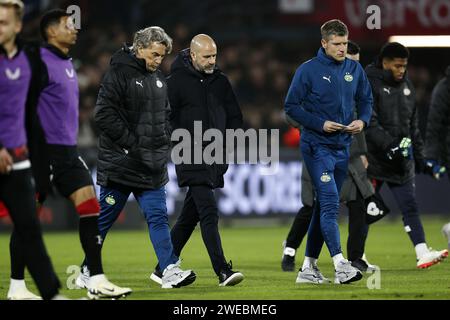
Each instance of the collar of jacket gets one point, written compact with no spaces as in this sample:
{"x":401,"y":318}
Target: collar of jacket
{"x":140,"y":62}
{"x":185,"y":58}
{"x":326,"y":59}
{"x":387,"y":76}
{"x":56,"y":51}
{"x":19,"y":43}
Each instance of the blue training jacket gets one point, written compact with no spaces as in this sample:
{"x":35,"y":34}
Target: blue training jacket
{"x":325,"y":89}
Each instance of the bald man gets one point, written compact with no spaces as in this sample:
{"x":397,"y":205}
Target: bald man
{"x":199,"y":91}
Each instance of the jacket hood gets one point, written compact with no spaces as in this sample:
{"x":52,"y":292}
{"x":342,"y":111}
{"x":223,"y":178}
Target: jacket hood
{"x":183,"y":62}
{"x":375,"y":70}
{"x":126,"y":56}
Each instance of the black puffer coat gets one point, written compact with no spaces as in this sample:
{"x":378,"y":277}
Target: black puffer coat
{"x":195,"y":96}
{"x":438,"y":133}
{"x":394,"y":116}
{"x":132,"y":114}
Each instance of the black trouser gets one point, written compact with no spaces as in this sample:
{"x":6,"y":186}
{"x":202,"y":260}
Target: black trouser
{"x":405,"y":195}
{"x":299,"y":227}
{"x":17,"y":192}
{"x":200,"y":205}
{"x":357,"y":228}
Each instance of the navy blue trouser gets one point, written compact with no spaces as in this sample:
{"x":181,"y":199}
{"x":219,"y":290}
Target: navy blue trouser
{"x":328,"y":169}
{"x":153,"y":205}
{"x":405,"y":196}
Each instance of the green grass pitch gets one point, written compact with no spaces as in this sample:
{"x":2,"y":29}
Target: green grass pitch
{"x":129,"y":258}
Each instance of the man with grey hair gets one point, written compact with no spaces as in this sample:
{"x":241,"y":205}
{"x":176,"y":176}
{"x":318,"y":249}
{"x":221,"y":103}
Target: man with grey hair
{"x":132,"y":113}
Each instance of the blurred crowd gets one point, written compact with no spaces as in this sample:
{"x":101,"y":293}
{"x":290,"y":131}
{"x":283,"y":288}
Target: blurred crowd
{"x":260,"y":70}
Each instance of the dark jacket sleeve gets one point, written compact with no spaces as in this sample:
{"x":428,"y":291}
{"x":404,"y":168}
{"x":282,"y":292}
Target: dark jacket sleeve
{"x":107,"y":113}
{"x":364,"y":98}
{"x":174,"y":103}
{"x":168,"y":115}
{"x":293,"y":104}
{"x":359,"y":145}
{"x":437,"y":123}
{"x":375,"y":133}
{"x":416,"y":137}
{"x":234,"y":114}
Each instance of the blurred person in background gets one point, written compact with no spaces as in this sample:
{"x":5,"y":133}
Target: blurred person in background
{"x":437,"y":150}
{"x":57,"y":108}
{"x":17,"y":191}
{"x":330,"y":98}
{"x":132,"y":114}
{"x":395,"y":145}
{"x":355,"y":190}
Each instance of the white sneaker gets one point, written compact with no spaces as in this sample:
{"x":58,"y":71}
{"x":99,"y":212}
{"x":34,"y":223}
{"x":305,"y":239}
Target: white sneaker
{"x":83,"y":278}
{"x":430,"y":258}
{"x":370,"y":267}
{"x":174,"y":277}
{"x":19,"y":291}
{"x":60,"y":297}
{"x":346,"y":273}
{"x":100,"y":287}
{"x":311,"y":275}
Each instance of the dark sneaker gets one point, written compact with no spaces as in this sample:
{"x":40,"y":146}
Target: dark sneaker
{"x":228,"y":277}
{"x":288,"y":258}
{"x":288,"y":263}
{"x":360,"y":264}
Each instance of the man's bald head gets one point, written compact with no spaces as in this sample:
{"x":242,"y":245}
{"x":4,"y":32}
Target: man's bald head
{"x":203,"y":53}
{"x":202,"y":42}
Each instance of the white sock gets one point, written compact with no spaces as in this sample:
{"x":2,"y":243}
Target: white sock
{"x":421,"y":249}
{"x":337,"y":258}
{"x":17,"y":284}
{"x":289,"y":251}
{"x":309,"y":263}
